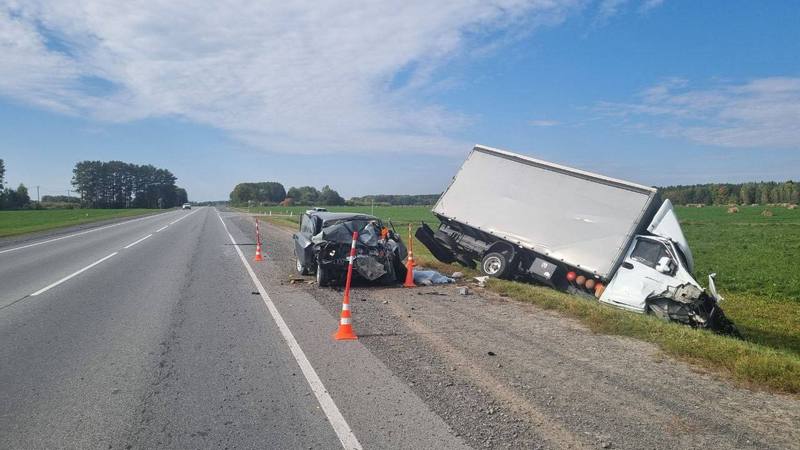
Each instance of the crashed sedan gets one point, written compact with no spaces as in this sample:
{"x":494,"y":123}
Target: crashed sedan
{"x":322,"y":246}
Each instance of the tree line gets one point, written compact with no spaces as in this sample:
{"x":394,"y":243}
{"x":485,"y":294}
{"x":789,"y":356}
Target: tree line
{"x":396,"y":199}
{"x":728,"y":193}
{"x":271,"y":192}
{"x":117,"y":184}
{"x":12,"y":198}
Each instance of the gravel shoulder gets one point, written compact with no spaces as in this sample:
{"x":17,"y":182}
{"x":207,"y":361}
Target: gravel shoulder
{"x":502,"y":373}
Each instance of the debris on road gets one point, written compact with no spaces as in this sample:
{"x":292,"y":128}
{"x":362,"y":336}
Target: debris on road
{"x":464,"y":291}
{"x":457,"y":275}
{"x":482,"y":280}
{"x":430,"y":277}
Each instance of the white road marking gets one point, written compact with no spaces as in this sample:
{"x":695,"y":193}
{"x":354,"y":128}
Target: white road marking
{"x":337,"y":421}
{"x":134,"y":243}
{"x":162,"y":228}
{"x":45,"y":289}
{"x":178,"y":220}
{"x":78,"y":234}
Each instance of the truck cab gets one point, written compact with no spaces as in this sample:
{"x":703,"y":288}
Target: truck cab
{"x":655,"y":276}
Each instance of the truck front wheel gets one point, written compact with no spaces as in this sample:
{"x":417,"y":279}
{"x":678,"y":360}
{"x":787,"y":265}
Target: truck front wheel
{"x":495,"y":265}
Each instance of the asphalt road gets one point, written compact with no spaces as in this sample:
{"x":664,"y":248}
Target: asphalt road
{"x":154,"y":333}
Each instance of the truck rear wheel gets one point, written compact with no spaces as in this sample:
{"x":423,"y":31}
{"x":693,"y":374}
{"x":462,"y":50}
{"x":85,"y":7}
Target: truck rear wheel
{"x":495,"y":265}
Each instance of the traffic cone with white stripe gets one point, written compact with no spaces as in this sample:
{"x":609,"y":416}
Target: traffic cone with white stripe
{"x":410,"y":263}
{"x":346,"y":321}
{"x":258,"y":243}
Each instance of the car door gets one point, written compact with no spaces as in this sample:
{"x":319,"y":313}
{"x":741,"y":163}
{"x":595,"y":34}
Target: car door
{"x":303,"y":247}
{"x":638,"y":277}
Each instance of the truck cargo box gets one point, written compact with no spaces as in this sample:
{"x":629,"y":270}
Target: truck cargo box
{"x":582,"y":219}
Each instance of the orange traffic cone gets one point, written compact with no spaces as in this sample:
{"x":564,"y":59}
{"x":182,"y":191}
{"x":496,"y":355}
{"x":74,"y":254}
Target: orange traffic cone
{"x":345,"y":332}
{"x":410,"y":271}
{"x":258,"y":251}
{"x":410,"y":263}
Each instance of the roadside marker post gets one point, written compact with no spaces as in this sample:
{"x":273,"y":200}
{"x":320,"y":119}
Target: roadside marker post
{"x":346,"y":321}
{"x":410,"y":263}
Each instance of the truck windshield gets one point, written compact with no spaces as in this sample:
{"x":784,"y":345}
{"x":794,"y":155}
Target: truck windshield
{"x":649,"y":252}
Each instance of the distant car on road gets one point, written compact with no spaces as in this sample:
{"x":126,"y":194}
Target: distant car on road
{"x":322,"y":246}
{"x":187,"y":206}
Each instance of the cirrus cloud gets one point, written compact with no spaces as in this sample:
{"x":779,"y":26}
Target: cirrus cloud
{"x":285,"y":76}
{"x":761,"y":113}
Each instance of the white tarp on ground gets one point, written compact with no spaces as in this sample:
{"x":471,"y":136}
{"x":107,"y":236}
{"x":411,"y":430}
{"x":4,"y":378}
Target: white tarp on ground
{"x":580,"y":218}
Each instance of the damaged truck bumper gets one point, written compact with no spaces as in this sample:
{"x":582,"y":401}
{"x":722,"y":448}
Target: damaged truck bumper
{"x":691,"y":305}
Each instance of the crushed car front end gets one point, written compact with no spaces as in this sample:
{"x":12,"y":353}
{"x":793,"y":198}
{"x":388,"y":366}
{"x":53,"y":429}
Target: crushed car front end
{"x":379,"y":252}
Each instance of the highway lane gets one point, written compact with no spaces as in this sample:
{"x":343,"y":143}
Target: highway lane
{"x":29,"y":267}
{"x":165,"y":345}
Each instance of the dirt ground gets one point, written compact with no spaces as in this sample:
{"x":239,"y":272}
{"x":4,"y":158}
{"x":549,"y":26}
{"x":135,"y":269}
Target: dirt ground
{"x":505,"y":374}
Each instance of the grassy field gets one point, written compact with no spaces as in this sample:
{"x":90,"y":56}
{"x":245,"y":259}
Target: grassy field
{"x":756,"y":260}
{"x":13,"y":223}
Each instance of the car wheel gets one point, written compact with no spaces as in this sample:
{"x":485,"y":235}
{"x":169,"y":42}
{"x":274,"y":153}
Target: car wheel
{"x":322,"y":276}
{"x":301,"y":269}
{"x":495,"y":265}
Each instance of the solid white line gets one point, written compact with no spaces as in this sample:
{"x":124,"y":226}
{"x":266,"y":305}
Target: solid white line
{"x":162,"y":228}
{"x":339,"y":424}
{"x":74,"y":274}
{"x":79,"y":234}
{"x":134,"y":243}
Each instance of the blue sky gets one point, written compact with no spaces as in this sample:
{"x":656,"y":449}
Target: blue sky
{"x":387,"y":99}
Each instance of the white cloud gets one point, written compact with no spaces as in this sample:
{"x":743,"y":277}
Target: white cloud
{"x":285,"y":76}
{"x":608,"y":8}
{"x":762,"y":113}
{"x":544,"y":123}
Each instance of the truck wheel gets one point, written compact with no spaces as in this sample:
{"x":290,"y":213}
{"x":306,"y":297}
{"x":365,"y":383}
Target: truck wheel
{"x":495,"y":265}
{"x":323,"y":279}
{"x":301,"y":268}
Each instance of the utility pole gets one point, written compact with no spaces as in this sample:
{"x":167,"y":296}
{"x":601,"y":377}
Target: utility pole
{"x":37,"y":195}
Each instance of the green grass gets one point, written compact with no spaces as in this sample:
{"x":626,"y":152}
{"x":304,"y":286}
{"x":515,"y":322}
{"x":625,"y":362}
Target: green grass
{"x":756,"y":259}
{"x":14,"y":223}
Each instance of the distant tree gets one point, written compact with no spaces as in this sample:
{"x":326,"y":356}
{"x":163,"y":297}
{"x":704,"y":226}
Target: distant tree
{"x":2,"y":173}
{"x":304,"y":195}
{"x":117,"y":184}
{"x":60,"y":199}
{"x":329,"y":197}
{"x":746,"y":193}
{"x":181,"y":196}
{"x":23,"y":199}
{"x":392,"y":199}
{"x":269,"y":192}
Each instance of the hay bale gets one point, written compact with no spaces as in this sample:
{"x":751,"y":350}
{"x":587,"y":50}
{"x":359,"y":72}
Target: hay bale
{"x":733,"y":210}
{"x":767,"y":213}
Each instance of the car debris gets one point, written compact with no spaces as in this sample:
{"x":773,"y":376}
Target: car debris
{"x":481,"y":280}
{"x":575,"y":231}
{"x":464,"y":291}
{"x":322,"y":247}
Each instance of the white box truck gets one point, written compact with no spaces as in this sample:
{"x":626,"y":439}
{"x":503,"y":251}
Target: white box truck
{"x":580,"y":232}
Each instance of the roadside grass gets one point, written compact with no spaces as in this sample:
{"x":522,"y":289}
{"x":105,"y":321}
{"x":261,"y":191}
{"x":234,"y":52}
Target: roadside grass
{"x":756,"y":260}
{"x":13,"y":223}
{"x":747,"y":363}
